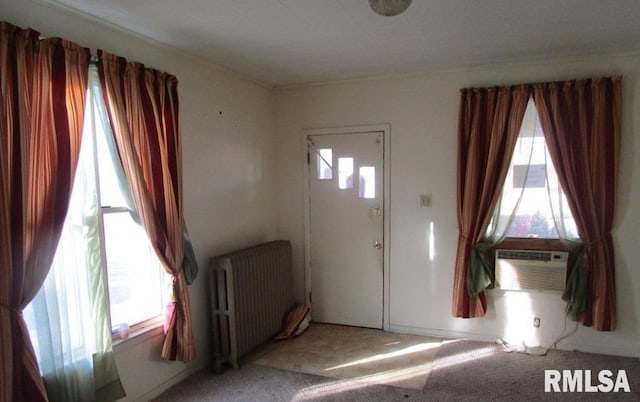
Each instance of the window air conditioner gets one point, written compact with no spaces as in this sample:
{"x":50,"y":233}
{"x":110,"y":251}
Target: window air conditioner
{"x":531,"y":270}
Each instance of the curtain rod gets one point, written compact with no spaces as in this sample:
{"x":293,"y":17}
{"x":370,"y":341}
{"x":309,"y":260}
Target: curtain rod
{"x":530,"y":84}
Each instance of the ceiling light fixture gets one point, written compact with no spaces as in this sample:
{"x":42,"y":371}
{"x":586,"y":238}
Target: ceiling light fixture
{"x":389,"y":8}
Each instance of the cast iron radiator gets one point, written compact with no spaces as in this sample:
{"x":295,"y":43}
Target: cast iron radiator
{"x":251,"y":292}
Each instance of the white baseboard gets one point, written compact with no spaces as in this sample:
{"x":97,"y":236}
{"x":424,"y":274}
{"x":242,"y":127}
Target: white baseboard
{"x":438,"y":333}
{"x":602,"y":349}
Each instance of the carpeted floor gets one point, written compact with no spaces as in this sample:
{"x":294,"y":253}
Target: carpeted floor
{"x":358,"y":354}
{"x":461,"y":371}
{"x":478,"y":371}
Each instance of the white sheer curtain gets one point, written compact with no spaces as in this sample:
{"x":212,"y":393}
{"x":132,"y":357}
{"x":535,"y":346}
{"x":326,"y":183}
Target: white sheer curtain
{"x":68,"y":320}
{"x":510,"y":198}
{"x":538,"y":193}
{"x":565,"y":224}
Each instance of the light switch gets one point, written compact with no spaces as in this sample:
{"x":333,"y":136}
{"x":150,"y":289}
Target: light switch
{"x":425,"y":200}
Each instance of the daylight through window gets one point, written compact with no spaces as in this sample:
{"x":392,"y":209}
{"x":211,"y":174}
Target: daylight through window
{"x":531,"y":188}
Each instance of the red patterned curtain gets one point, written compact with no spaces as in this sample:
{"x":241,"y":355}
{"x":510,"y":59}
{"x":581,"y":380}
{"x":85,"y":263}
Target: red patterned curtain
{"x":43,"y":86}
{"x":143,"y":111}
{"x":582,"y":121}
{"x":489,"y":123}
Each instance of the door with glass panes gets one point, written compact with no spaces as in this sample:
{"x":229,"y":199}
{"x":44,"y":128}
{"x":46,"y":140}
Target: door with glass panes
{"x":346,"y":228}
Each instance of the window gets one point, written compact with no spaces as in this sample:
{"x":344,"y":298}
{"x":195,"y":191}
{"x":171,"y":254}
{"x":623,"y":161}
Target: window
{"x":101,"y":231}
{"x":531,"y":186}
{"x":137,"y":282}
{"x":136,"y":278}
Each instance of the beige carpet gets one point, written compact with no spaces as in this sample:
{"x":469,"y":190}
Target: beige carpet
{"x":349,"y":353}
{"x":462,"y":371}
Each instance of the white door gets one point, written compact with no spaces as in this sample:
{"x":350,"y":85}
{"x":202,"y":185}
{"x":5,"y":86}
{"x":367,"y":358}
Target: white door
{"x":346,"y":228}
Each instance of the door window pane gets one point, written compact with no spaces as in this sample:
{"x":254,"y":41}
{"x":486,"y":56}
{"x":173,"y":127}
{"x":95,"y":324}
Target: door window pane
{"x":325,"y":164}
{"x":367,"y":182}
{"x":345,"y":173}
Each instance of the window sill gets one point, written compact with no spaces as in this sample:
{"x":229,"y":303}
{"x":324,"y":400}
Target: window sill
{"x":533,"y":294}
{"x":140,"y":335}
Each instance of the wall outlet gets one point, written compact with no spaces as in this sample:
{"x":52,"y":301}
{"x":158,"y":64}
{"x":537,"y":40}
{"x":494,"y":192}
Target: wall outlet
{"x":425,"y":200}
{"x":536,"y":322}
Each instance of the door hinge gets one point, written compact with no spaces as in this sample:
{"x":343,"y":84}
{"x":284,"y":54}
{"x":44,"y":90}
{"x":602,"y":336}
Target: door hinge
{"x":310,"y":298}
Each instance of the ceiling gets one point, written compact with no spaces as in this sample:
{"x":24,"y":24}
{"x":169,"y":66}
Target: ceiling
{"x":283,"y":42}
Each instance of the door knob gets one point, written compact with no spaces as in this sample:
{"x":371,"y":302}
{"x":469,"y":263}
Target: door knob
{"x":377,"y":245}
{"x":376,"y":211}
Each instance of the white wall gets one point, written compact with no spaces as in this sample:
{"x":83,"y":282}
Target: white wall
{"x":423,"y":113}
{"x":229,"y":168}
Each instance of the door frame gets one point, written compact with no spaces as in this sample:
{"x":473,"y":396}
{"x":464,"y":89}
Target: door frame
{"x":384,"y":128}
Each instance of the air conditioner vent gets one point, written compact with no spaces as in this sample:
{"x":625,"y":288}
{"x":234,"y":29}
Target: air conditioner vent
{"x":531,"y":270}
{"x":531,"y":255}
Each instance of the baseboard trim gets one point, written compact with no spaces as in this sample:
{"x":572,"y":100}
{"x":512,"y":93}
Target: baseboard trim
{"x":562,"y":345}
{"x":599,"y":349}
{"x":438,"y":333}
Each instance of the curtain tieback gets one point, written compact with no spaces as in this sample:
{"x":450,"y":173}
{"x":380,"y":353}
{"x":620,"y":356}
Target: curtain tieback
{"x":10,"y":309}
{"x":174,"y":290}
{"x":598,"y":239}
{"x":466,"y":240}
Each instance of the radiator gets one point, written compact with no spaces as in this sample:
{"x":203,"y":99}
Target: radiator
{"x":251,"y":292}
